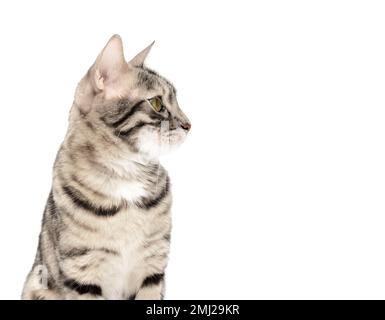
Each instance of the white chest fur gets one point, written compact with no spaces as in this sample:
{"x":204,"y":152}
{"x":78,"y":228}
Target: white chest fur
{"x":129,"y":191}
{"x":128,"y":234}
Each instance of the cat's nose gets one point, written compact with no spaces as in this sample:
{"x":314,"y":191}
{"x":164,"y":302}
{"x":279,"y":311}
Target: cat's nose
{"x":186,"y":125}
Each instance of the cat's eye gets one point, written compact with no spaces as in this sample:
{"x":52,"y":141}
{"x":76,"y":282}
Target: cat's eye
{"x":156,"y":104}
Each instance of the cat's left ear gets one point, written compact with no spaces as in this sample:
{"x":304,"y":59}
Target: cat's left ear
{"x":108,"y":67}
{"x":139,"y":59}
{"x":110,"y":63}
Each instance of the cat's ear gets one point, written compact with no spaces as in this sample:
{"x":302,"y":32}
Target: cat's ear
{"x":110,"y":63}
{"x":138,"y":60}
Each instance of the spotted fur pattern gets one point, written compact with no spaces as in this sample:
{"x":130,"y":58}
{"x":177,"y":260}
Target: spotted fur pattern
{"x":106,"y":225}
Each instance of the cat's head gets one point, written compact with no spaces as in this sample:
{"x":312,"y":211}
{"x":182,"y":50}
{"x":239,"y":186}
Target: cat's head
{"x":130,"y":104}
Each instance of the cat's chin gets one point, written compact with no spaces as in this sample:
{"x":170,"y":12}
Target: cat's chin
{"x":152,"y":145}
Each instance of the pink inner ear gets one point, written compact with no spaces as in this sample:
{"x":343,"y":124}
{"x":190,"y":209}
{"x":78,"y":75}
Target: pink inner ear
{"x":99,"y":80}
{"x":111,"y":59}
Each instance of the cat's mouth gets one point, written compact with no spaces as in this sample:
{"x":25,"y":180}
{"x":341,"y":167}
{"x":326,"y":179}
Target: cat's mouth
{"x":155,"y":142}
{"x":173,"y":137}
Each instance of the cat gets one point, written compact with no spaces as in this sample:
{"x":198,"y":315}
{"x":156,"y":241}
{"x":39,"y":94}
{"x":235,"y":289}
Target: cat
{"x":106,"y":226}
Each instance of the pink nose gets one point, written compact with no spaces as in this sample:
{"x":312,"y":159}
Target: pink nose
{"x":186,"y":126}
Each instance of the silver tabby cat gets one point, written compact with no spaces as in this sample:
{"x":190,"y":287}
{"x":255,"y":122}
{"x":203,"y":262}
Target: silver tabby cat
{"x":106,"y":226}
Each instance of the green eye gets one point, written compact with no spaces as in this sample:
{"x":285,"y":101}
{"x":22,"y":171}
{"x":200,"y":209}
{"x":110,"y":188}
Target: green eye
{"x":156,"y":104}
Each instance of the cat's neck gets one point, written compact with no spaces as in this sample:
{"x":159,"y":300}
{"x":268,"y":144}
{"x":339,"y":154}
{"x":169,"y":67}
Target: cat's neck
{"x":115,"y":174}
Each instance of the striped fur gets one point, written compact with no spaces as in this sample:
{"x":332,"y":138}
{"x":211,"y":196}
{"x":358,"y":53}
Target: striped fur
{"x":106,"y":226}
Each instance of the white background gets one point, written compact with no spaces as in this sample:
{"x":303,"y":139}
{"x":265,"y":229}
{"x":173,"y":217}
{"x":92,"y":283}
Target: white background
{"x":279,"y":189}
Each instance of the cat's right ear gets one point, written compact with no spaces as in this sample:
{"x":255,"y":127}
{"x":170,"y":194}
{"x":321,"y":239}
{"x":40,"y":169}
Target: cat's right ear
{"x":109,"y":65}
